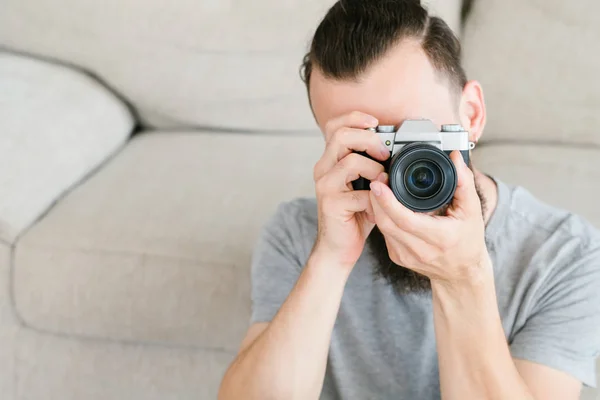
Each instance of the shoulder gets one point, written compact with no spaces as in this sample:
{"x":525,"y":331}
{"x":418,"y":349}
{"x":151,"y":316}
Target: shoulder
{"x":291,"y":228}
{"x":554,"y":242}
{"x":304,"y":208}
{"x":546,"y":223}
{"x":296,"y":215}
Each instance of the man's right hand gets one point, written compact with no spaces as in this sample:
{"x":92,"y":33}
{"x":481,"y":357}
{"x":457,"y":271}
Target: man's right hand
{"x":345,"y":215}
{"x":300,"y":333}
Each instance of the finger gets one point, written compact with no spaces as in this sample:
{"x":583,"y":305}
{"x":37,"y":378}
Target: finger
{"x":370,"y":217}
{"x":465,"y":201}
{"x":383,"y":178}
{"x":351,"y":202}
{"x":399,"y":253}
{"x":414,"y":251}
{"x":396,"y":216}
{"x":350,"y":168}
{"x":346,"y":141}
{"x":355,"y":119}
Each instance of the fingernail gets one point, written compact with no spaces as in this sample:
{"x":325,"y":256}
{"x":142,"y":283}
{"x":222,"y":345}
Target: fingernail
{"x":372,"y":121}
{"x":382,"y":177}
{"x":376,"y":188}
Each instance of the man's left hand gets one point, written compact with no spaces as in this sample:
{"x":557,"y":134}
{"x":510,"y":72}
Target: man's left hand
{"x":447,"y":249}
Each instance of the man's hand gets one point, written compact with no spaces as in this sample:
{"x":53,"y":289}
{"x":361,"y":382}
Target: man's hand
{"x":473,"y":354}
{"x":346,"y":215}
{"x":447,"y":249}
{"x":287,"y":358}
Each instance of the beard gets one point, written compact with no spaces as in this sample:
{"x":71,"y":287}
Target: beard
{"x":402,"y":279}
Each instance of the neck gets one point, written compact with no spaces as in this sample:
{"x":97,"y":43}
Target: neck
{"x":489,"y":191}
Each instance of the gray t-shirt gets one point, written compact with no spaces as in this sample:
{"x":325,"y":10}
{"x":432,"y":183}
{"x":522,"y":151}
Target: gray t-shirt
{"x":547,"y":272}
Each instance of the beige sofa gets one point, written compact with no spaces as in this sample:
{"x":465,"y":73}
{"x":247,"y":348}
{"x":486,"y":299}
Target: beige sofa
{"x":143,"y":144}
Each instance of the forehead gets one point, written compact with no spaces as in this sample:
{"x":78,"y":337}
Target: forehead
{"x":402,"y":85}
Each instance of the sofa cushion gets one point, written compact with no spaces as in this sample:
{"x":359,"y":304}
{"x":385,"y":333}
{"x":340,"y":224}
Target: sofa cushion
{"x":186,"y":63}
{"x":5,"y":260}
{"x":58,"y":368}
{"x":56,"y":126}
{"x":156,"y":246}
{"x":562,"y":176}
{"x":8,"y":325}
{"x":539,"y":66}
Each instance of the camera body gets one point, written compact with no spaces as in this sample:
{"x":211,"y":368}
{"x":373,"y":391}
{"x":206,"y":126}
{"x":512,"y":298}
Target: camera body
{"x":421,"y":173}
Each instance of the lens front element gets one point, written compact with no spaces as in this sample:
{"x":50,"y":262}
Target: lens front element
{"x":422,"y":177}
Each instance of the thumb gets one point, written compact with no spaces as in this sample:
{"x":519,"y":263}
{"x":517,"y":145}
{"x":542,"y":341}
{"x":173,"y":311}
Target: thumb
{"x":465,"y":200}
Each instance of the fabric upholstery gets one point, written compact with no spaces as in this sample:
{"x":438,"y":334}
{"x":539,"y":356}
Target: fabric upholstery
{"x":165,"y":232}
{"x":8,"y":327}
{"x":56,"y":368}
{"x":449,"y":10}
{"x":538,"y":62}
{"x":5,"y":260}
{"x":548,"y":172}
{"x":588,"y":393}
{"x":219,"y":63}
{"x":57,"y":125}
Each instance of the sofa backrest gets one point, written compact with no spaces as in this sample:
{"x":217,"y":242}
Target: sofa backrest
{"x":229,"y":64}
{"x":234,"y":64}
{"x":539,"y":65}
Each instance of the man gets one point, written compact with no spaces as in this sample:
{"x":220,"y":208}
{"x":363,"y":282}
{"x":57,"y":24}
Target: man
{"x":496,"y":296}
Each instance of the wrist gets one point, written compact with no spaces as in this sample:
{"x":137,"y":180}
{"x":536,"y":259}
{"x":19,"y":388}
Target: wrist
{"x":475,"y":286}
{"x":466,"y":312}
{"x":329,"y":263}
{"x":340,"y":258}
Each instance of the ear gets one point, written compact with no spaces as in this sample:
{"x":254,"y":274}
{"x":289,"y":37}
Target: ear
{"x":472,"y":110}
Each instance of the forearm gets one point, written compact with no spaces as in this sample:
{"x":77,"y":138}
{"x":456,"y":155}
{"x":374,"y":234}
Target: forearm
{"x":288,"y":360}
{"x":474,"y":357}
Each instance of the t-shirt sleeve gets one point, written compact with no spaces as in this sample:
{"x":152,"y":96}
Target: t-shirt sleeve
{"x":563,"y":331}
{"x":276,"y":262}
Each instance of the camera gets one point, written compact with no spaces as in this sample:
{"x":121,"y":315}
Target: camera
{"x":421,"y":173}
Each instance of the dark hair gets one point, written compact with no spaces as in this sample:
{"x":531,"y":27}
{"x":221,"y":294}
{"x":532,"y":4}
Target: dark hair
{"x":356,"y":33}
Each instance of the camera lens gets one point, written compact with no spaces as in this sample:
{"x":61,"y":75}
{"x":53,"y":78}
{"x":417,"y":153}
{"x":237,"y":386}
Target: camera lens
{"x":423,"y":179}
